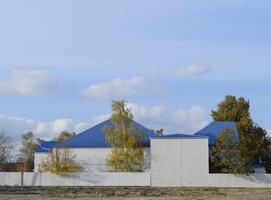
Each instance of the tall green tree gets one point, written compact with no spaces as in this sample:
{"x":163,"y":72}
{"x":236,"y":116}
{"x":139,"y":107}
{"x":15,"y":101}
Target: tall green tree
{"x":266,"y":154}
{"x":64,"y":135}
{"x":225,"y":154}
{"x":237,"y":109}
{"x":127,"y":152}
{"x":27,"y":150}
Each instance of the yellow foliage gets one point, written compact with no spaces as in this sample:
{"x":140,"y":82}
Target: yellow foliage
{"x":60,"y":161}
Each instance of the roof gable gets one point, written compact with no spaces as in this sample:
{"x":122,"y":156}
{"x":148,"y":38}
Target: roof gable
{"x":214,"y":129}
{"x":95,"y":137}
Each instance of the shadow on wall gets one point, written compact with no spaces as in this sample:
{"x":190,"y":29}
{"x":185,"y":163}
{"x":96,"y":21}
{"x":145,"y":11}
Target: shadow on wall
{"x":35,"y":179}
{"x":258,"y":178}
{"x":95,"y":178}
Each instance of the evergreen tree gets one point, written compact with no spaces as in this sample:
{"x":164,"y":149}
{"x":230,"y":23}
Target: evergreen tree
{"x":225,"y":154}
{"x":237,"y":110}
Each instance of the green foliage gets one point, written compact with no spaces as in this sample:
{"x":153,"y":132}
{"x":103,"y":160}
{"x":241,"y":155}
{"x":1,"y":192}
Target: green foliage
{"x":27,"y":150}
{"x":5,"y":148}
{"x":225,"y":155}
{"x":64,"y":135}
{"x":159,"y":132}
{"x":60,"y":161}
{"x":127,"y":153}
{"x":267,"y":154}
{"x":250,"y":138}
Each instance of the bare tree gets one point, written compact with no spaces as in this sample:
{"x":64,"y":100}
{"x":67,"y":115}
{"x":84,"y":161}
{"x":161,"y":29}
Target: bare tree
{"x":27,"y":150}
{"x":6,"y":146}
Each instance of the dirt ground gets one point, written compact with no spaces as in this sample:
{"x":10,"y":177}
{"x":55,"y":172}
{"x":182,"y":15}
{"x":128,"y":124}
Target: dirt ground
{"x":131,"y":193}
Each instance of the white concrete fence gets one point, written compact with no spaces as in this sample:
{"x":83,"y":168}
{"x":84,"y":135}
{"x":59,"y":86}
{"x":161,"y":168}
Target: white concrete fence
{"x":130,"y":179}
{"x":175,"y":162}
{"x":77,"y":179}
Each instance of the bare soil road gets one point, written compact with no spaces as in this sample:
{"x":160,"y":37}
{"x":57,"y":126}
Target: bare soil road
{"x":132,"y":193}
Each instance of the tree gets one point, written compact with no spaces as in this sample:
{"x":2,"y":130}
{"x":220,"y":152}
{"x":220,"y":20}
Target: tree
{"x":27,"y":150}
{"x":225,"y":155}
{"x":233,"y":109}
{"x":64,"y":135}
{"x":266,"y":155}
{"x":60,"y":161}
{"x":159,"y":132}
{"x":127,"y":152}
{"x":6,"y":147}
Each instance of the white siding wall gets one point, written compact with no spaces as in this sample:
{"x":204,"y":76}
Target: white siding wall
{"x":179,"y":161}
{"x":91,"y":159}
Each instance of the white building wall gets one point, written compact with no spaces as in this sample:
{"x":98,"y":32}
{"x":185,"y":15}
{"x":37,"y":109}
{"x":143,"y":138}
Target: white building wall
{"x":179,"y":161}
{"x":91,"y":159}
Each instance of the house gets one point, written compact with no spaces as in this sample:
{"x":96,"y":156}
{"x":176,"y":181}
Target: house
{"x":90,"y":147}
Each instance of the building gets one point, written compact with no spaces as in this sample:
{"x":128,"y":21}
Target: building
{"x":91,"y":149}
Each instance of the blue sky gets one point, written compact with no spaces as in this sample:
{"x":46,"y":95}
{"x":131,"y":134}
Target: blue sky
{"x":63,"y":61}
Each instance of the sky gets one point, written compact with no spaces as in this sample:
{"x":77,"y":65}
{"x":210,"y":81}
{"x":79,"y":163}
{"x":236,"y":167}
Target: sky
{"x":63,"y":62}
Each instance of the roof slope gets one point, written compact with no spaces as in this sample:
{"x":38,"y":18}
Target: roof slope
{"x":215,"y":128}
{"x":95,"y":137}
{"x":46,"y":146}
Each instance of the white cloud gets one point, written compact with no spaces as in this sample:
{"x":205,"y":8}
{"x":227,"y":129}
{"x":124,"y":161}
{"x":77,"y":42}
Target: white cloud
{"x":155,"y":117}
{"x":120,"y":88}
{"x":179,"y":121}
{"x":28,"y":83}
{"x":16,"y":126}
{"x":193,"y":70}
{"x":191,"y":119}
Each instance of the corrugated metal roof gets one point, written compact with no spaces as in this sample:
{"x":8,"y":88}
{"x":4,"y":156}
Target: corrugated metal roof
{"x":95,"y":137}
{"x":215,"y":128}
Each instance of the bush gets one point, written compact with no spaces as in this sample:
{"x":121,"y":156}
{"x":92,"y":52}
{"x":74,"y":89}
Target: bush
{"x":60,"y":161}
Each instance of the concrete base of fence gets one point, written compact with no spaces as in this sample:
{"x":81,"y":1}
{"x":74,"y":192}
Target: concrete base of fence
{"x":76,"y":179}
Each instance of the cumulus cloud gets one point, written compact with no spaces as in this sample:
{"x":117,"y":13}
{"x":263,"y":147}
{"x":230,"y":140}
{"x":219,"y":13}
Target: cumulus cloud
{"x":154,"y":117}
{"x":120,"y":88}
{"x":193,"y":70}
{"x":179,"y":121}
{"x":191,"y":119}
{"x":16,"y":126}
{"x":28,"y":83}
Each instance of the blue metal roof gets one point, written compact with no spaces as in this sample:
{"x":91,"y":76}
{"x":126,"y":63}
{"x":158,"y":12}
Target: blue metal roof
{"x":95,"y":137}
{"x":215,"y":128}
{"x":46,"y":146}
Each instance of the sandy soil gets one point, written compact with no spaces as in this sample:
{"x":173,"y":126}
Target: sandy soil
{"x":132,"y":193}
